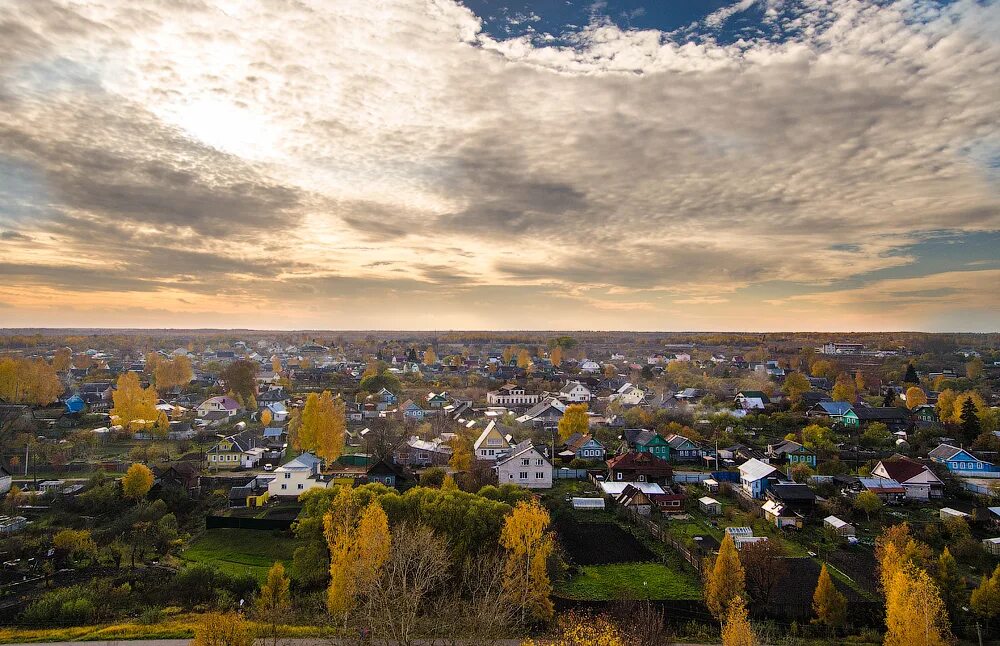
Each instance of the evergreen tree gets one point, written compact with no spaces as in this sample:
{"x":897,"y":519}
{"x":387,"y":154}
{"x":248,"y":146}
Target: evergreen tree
{"x":890,"y":398}
{"x":911,"y":375}
{"x":970,"y":420}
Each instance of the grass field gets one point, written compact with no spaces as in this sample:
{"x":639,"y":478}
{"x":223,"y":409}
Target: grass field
{"x":630,"y":581}
{"x":241,"y":551}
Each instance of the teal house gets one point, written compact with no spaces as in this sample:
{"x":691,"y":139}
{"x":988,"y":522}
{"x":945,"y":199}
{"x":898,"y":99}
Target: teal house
{"x":655,"y":445}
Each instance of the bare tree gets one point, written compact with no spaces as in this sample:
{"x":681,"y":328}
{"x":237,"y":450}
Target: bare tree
{"x":477,"y":609}
{"x":764,"y":566}
{"x":397,"y":602}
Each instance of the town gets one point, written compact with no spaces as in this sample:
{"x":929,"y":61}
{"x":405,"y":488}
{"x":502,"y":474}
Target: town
{"x":499,"y":487}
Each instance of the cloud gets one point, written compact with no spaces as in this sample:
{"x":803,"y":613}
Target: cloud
{"x":351,"y":155}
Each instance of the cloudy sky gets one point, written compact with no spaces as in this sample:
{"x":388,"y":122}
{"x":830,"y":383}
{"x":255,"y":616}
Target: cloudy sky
{"x":545,"y":164}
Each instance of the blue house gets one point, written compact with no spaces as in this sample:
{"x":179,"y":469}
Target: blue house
{"x":754,"y":476}
{"x":961,"y":462}
{"x":75,"y":404}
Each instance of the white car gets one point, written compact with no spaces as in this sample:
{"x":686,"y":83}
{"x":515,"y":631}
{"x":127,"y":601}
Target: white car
{"x":268,"y":467}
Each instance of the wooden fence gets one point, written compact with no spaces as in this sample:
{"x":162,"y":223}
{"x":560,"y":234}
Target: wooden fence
{"x":657,"y":531}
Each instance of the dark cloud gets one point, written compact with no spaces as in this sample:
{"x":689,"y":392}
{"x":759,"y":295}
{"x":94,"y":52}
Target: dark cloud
{"x":14,"y":235}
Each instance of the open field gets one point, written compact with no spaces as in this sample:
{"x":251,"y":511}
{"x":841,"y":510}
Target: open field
{"x":630,"y":581}
{"x":241,"y":551}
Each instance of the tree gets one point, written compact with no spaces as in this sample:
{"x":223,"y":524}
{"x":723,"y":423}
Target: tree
{"x":844,"y":390}
{"x":523,"y":359}
{"x":324,"y":422}
{"x":859,"y":380}
{"x":574,"y":420}
{"x":763,"y":566}
{"x":223,"y":629}
{"x":527,"y":546}
{"x":949,"y":582}
{"x":945,"y":406}
{"x":266,"y":417}
{"x":969,"y":419}
{"x":137,"y":482}
{"x":829,"y":604}
{"x":29,"y":381}
{"x":911,"y":375}
{"x":275,"y":364}
{"x":876,"y":434}
{"x":584,"y":630}
{"x":915,"y":396}
{"x":132,"y":402}
{"x":824,"y":368}
{"x":172,"y":373}
{"x":240,"y":378}
{"x":985,"y":600}
{"x":357,"y":551}
{"x":71,"y":544}
{"x":62,"y":360}
{"x":974,"y":369}
{"x":737,"y":630}
{"x":461,"y":454}
{"x":726,"y":580}
{"x":430,"y":357}
{"x":819,"y":438}
{"x":915,"y":614}
{"x":890,"y":398}
{"x":556,"y":356}
{"x":868,"y":502}
{"x":275,"y":599}
{"x":795,"y":386}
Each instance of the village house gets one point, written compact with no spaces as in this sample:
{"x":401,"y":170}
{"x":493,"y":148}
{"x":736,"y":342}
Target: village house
{"x":575,"y":392}
{"x":685,"y":450}
{"x":753,"y":477}
{"x":583,"y":447}
{"x":646,"y":441}
{"x":751,"y":400}
{"x":639,"y":467}
{"x":524,"y":465}
{"x":221,"y":405}
{"x":962,"y":462}
{"x":390,"y":474}
{"x":490,"y":443}
{"x":791,"y":452}
{"x":545,"y":413}
{"x":242,"y":450}
{"x":628,"y":395}
{"x":297,"y":476}
{"x":415,"y":452}
{"x":917,"y":479}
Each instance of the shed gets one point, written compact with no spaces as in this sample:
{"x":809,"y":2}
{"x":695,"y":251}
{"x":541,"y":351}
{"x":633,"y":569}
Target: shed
{"x":710,"y":506}
{"x":711,"y":484}
{"x":842,"y":528}
{"x":948,"y":512}
{"x":992,"y":545}
{"x":588,"y":503}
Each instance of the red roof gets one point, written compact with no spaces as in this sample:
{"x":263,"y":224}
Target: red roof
{"x":902,"y":468}
{"x":645,"y":463}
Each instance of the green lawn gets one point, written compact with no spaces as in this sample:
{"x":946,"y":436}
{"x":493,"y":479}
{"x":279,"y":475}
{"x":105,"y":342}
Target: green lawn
{"x":626,"y":581}
{"x":241,"y":551}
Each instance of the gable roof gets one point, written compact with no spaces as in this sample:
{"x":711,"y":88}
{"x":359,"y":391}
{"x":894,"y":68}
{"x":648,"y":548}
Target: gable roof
{"x":944,"y":452}
{"x":753,"y":469}
{"x":754,"y":394}
{"x":790,"y":491}
{"x":833,"y":408}
{"x":643,"y":462}
{"x":486,"y":433}
{"x":902,"y":468}
{"x":880,"y":413}
{"x":524,"y":447}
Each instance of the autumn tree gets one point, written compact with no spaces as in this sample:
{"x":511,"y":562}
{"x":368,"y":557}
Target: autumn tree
{"x":985,"y":600}
{"x":62,"y":359}
{"x":949,"y":582}
{"x":915,"y":396}
{"x":819,"y":438}
{"x":795,"y":386}
{"x":223,"y":629}
{"x":72,"y":544}
{"x":430,"y":357}
{"x":461,"y":454}
{"x":274,"y":600}
{"x":294,"y":427}
{"x":583,"y":630}
{"x":844,"y":390}
{"x":824,"y":369}
{"x":574,"y":420}
{"x":275,"y":364}
{"x":137,"y":481}
{"x":974,"y":369}
{"x":737,"y":630}
{"x":527,"y":546}
{"x":868,"y":502}
{"x":170,"y":373}
{"x":523,"y":359}
{"x":28,"y":381}
{"x":945,"y":406}
{"x":132,"y":402}
{"x":556,"y":356}
{"x":829,"y":604}
{"x":915,"y":615}
{"x":240,"y":378}
{"x":324,"y":421}
{"x":859,"y":380}
{"x":763,"y":566}
{"x":725,"y":580}
{"x":358,"y":549}
{"x":266,"y":417}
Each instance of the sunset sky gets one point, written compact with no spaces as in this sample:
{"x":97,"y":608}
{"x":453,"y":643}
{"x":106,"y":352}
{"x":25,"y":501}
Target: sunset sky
{"x":433,"y":164}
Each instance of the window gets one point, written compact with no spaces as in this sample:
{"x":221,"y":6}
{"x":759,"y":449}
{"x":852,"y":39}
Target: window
{"x":618,"y":476}
{"x":300,"y":485}
{"x":288,"y":476}
{"x":284,"y":486}
{"x":539,"y":475}
{"x":523,"y":475}
{"x":642,"y":478}
{"x":525,"y":462}
{"x":538,"y":463}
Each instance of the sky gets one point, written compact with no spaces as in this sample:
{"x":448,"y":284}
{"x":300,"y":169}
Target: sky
{"x":549,"y":164}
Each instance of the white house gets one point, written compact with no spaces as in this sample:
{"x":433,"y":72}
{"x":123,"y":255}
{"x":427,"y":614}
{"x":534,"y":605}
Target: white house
{"x":490,"y":443}
{"x":512,"y":395}
{"x":525,"y":466}
{"x":224,"y":404}
{"x":917,"y":479}
{"x":629,"y":395}
{"x":590,"y":366}
{"x":753,"y":477}
{"x":575,"y":392}
{"x":297,"y":476}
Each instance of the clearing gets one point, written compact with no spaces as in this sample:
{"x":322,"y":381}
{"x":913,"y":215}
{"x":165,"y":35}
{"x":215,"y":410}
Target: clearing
{"x":242,"y":551}
{"x":630,"y":581}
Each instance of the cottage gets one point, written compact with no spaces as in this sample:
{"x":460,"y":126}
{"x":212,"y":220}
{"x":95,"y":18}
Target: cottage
{"x":575,"y":393}
{"x":709,"y":506}
{"x":751,"y":400}
{"x":791,"y":452}
{"x":753,"y":477}
{"x":547,"y":412}
{"x":635,"y":499}
{"x":242,"y":450}
{"x":223,"y":405}
{"x":685,"y":450}
{"x":437,"y":401}
{"x":962,"y":462}
{"x":917,"y":479}
{"x":412,"y":411}
{"x":389,"y":473}
{"x":525,"y":465}
{"x":583,"y":447}
{"x":668,"y":502}
{"x":415,"y":452}
{"x":491,"y":443}
{"x":628,"y":395}
{"x":639,"y":467}
{"x":896,"y":419}
{"x":797,"y":498}
{"x":838,"y":412}
{"x":780,"y":515}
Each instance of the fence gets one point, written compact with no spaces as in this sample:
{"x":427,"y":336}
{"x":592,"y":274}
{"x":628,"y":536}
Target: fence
{"x":569,"y":474}
{"x":657,"y":531}
{"x":982,"y":490}
{"x":235,"y":522}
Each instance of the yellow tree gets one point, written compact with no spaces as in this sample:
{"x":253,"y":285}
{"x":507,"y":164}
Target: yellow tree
{"x":137,"y":481}
{"x":859,"y":380}
{"x":132,"y":401}
{"x":274,"y":600}
{"x":725,"y":581}
{"x":218,"y":629}
{"x":294,"y":426}
{"x":610,"y":370}
{"x":985,"y":600}
{"x":523,"y":359}
{"x":358,"y":549}
{"x":737,"y":630}
{"x":960,"y":399}
{"x":915,"y":615}
{"x":461,"y":454}
{"x":527,"y":546}
{"x":331,"y":423}
{"x":583,"y":630}
{"x":275,"y":364}
{"x":508,"y":354}
{"x":945,"y":406}
{"x":62,"y":359}
{"x":266,"y":417}
{"x":844,"y":390}
{"x":915,"y":396}
{"x":306,"y":435}
{"x":794,"y":386}
{"x":574,"y":420}
{"x":829,"y":604}
{"x":556,"y":356}
{"x":974,"y":369}
{"x":430,"y":357}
